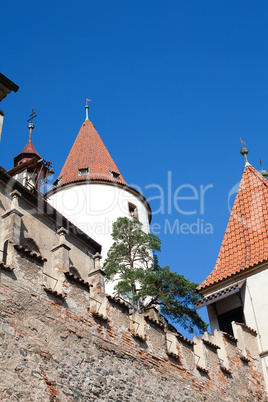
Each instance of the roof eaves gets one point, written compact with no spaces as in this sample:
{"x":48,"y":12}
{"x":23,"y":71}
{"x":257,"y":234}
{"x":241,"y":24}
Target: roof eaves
{"x":111,"y":182}
{"x":207,"y":286}
{"x":8,"y":83}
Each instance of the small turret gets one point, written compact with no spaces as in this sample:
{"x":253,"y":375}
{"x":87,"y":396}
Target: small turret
{"x":30,"y":169}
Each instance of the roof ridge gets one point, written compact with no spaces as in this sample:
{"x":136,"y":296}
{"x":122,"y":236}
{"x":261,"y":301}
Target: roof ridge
{"x":258,"y":175}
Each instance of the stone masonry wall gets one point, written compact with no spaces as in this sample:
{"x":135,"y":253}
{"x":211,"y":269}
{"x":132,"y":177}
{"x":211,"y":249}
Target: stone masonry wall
{"x":54,"y":349}
{"x":63,"y":339}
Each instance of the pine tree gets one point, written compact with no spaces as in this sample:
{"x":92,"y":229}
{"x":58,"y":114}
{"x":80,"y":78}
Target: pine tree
{"x":140,"y":279}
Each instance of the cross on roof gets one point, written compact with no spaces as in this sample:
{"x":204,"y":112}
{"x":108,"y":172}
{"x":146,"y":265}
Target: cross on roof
{"x":30,"y":125}
{"x":32,"y":116}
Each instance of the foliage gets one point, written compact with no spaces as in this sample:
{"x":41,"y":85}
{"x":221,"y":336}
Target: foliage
{"x":130,"y":257}
{"x":175,"y":295}
{"x":140,"y":279}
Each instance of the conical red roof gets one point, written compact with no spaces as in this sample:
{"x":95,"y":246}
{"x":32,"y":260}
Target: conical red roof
{"x":245,"y":243}
{"x":89,"y":159}
{"x":27,"y":153}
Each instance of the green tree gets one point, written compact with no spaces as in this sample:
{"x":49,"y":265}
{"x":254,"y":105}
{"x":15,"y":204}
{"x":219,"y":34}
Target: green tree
{"x":140,"y":279}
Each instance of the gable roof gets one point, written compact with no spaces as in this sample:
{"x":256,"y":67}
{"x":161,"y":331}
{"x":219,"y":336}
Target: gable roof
{"x":245,"y":243}
{"x":89,"y":152}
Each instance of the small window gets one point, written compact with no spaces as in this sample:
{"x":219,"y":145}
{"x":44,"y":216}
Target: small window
{"x":114,"y":175}
{"x":133,"y":210}
{"x":57,"y":182}
{"x":83,"y":171}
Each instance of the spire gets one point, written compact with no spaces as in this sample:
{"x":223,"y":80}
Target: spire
{"x":89,"y":159}
{"x":87,"y":107}
{"x":31,"y":125}
{"x":244,"y":152}
{"x":245,"y":243}
{"x":29,"y":151}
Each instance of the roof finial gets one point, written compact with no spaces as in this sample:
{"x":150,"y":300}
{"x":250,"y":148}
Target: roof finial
{"x":244,"y":151}
{"x":264,"y":172}
{"x":31,"y":125}
{"x":87,"y":107}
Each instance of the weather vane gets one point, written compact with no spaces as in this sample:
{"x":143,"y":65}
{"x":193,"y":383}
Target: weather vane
{"x":242,"y":142}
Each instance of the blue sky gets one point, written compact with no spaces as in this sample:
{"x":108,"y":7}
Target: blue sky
{"x":174,"y":85}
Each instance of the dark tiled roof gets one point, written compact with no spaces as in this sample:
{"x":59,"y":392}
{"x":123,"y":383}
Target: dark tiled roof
{"x":245,"y":243}
{"x":117,"y":300}
{"x":210,"y":344}
{"x":229,"y":337}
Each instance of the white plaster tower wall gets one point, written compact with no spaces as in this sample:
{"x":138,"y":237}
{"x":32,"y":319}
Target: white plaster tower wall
{"x":93,"y":207}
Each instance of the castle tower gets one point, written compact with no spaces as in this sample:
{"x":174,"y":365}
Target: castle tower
{"x":30,"y":169}
{"x":92,"y":193}
{"x":236,"y":289}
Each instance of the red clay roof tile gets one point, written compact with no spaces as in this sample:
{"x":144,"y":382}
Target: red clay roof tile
{"x":89,"y":151}
{"x":245,"y":242}
{"x":27,"y":153}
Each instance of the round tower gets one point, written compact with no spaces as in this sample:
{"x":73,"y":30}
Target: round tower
{"x":91,"y":192}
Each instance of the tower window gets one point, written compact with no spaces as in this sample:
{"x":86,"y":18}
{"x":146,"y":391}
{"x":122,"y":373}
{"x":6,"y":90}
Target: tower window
{"x":133,"y":210}
{"x":83,"y":171}
{"x":114,"y":175}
